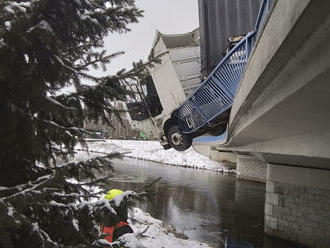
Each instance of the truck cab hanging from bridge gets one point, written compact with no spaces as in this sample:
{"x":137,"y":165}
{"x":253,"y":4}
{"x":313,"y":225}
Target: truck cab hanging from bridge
{"x":175,"y":78}
{"x":206,"y":108}
{"x":191,"y":106}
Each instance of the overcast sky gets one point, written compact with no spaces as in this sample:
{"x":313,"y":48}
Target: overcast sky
{"x":168,"y":16}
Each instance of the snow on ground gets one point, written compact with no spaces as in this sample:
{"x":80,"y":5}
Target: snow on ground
{"x":155,"y":234}
{"x":153,"y":151}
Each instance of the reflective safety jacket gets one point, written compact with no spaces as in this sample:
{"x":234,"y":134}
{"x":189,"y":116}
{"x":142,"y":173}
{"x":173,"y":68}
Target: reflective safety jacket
{"x":115,"y":231}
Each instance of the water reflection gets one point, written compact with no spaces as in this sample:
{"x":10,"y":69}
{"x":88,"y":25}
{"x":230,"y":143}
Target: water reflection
{"x":203,"y":205}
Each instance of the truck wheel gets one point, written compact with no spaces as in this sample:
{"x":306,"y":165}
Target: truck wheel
{"x":178,"y":140}
{"x":166,"y":147}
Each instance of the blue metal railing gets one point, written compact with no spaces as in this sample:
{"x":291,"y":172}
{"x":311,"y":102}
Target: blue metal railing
{"x":263,"y":12}
{"x":216,"y":93}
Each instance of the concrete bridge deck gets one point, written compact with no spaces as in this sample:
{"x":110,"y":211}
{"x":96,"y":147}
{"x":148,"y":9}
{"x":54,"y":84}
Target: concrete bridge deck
{"x":282,"y":109}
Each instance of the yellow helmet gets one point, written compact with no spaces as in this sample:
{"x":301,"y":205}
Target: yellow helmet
{"x":112,"y":193}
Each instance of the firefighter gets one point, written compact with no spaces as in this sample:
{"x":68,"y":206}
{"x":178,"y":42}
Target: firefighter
{"x":121,"y":227}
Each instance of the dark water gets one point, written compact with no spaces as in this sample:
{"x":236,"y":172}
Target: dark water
{"x":203,"y":205}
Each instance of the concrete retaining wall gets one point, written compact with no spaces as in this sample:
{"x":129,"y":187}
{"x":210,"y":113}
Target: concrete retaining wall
{"x":251,"y":168}
{"x":297,"y":205}
{"x":227,"y":158}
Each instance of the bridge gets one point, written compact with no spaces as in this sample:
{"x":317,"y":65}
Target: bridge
{"x":279,"y":123}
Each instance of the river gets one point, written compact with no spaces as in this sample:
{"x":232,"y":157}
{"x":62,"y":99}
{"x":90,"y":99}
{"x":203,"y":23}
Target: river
{"x":203,"y":205}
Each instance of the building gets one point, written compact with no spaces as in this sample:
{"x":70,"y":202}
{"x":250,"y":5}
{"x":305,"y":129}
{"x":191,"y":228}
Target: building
{"x":118,"y":128}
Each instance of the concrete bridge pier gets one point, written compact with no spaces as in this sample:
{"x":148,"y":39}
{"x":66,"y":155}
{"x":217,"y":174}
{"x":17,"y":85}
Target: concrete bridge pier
{"x":250,"y":168}
{"x":297,"y":204}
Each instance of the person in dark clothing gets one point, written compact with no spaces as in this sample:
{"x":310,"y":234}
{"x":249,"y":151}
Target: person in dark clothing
{"x":113,"y":231}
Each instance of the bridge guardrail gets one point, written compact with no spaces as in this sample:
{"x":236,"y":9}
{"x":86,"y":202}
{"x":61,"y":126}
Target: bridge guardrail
{"x":216,"y":93}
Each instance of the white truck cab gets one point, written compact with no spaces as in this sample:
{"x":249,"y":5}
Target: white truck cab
{"x":175,"y":79}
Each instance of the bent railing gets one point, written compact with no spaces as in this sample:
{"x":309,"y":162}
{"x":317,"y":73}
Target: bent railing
{"x":216,"y":93}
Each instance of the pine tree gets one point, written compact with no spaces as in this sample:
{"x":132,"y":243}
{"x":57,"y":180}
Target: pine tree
{"x":45,"y":46}
{"x":60,"y":208}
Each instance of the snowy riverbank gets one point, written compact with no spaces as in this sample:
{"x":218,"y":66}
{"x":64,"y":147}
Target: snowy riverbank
{"x":155,"y":234}
{"x":153,"y":151}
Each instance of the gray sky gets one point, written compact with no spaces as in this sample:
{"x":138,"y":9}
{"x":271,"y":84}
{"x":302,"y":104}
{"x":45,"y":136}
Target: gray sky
{"x":168,"y":16}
